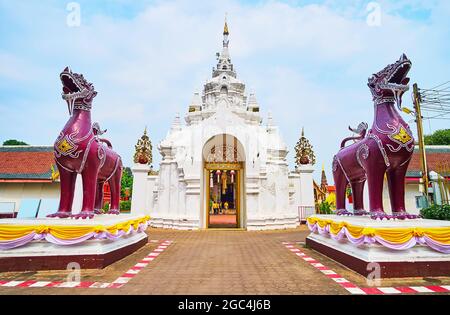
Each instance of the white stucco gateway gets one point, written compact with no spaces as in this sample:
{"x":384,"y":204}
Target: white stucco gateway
{"x":224,"y":167}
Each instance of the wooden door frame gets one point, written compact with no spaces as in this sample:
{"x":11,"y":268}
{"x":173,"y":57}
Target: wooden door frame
{"x":229,"y":166}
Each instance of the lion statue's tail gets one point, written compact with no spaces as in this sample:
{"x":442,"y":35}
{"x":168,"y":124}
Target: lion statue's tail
{"x":361,"y":131}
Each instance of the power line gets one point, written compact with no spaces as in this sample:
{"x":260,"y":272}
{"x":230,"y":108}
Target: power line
{"x":435,"y":101}
{"x":434,"y":107}
{"x":438,"y":105}
{"x":437,"y":111}
{"x":441,"y":84}
{"x":435,"y":89}
{"x":437,"y":116}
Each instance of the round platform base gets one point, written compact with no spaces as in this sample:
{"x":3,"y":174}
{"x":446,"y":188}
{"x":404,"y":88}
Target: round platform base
{"x":419,"y":261}
{"x":51,"y":244}
{"x":392,"y":248}
{"x":93,"y":254}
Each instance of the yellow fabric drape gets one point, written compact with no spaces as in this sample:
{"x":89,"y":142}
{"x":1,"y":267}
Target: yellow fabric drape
{"x":392,"y":235}
{"x":10,"y":232}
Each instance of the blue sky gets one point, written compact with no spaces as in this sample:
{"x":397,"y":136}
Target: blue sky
{"x":307,"y":61}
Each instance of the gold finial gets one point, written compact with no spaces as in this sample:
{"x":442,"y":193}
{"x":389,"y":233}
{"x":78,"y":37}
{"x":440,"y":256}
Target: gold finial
{"x":323,"y":181}
{"x":304,"y":153}
{"x":225,"y":28}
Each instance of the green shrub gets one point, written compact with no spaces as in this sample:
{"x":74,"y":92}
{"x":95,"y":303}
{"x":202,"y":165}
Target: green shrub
{"x":125,"y":205}
{"x":325,"y":208}
{"x":436,"y":212}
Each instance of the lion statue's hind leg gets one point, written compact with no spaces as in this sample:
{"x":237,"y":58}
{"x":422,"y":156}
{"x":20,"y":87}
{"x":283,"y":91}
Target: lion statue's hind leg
{"x":115,"y":185}
{"x":98,"y":206}
{"x":396,"y":184}
{"x":358,"y":197}
{"x":341,"y":182}
{"x":67,"y":182}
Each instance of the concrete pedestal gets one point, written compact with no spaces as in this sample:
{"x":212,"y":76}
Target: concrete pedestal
{"x":90,"y":254}
{"x":418,"y":261}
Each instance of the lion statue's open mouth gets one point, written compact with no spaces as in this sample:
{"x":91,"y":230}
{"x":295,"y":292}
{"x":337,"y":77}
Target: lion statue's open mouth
{"x":76,"y":89}
{"x":392,"y":81}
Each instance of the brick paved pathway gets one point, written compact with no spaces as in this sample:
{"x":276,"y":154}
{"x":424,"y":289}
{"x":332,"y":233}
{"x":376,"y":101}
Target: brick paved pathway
{"x":229,"y":262}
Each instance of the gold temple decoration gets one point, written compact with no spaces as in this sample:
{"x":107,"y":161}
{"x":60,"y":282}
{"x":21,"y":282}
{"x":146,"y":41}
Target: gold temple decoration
{"x":55,"y":173}
{"x":143,"y":154}
{"x":402,"y":135}
{"x":225,"y":28}
{"x":224,"y":182}
{"x":224,"y":166}
{"x":64,"y":146}
{"x":304,"y":153}
{"x":324,"y":181}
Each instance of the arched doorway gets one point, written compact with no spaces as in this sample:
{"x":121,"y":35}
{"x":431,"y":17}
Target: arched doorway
{"x":224,"y":173}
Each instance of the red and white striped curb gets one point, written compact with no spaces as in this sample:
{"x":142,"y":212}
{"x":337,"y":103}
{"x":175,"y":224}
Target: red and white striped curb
{"x":133,"y":271}
{"x":354,"y":289}
{"x":118,"y":283}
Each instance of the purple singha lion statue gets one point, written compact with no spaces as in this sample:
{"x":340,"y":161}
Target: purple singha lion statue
{"x":79,"y":150}
{"x":386,"y":148}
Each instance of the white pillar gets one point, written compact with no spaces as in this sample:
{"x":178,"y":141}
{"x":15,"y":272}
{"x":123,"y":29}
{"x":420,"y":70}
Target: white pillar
{"x":294,"y":179}
{"x":306,"y":185}
{"x":139,"y":194}
{"x":151,"y":186}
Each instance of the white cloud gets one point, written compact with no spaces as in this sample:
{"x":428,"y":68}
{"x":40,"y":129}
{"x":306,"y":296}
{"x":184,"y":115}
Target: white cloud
{"x":17,"y":69}
{"x":310,"y":61}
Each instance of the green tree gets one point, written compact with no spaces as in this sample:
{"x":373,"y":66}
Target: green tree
{"x":325,"y":208}
{"x":127,"y":182}
{"x":14,"y":142}
{"x":439,"y":137}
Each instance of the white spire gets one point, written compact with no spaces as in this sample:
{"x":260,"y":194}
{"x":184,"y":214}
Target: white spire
{"x":196,"y":99}
{"x":271,"y":128}
{"x":176,"y":124}
{"x":196,"y":103}
{"x":226,"y":41}
{"x":252,"y":99}
{"x":224,"y":64}
{"x":269,"y":119}
{"x":253,"y":105}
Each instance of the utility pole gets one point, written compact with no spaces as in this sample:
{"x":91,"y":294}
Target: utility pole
{"x":423,"y":157}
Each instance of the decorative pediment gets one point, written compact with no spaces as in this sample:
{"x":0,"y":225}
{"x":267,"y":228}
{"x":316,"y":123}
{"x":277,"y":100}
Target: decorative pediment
{"x":304,"y":153}
{"x":224,"y":153}
{"x":143,"y":153}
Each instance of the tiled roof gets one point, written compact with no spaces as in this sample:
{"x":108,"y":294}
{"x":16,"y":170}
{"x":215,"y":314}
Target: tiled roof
{"x":437,"y":158}
{"x":26,"y":162}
